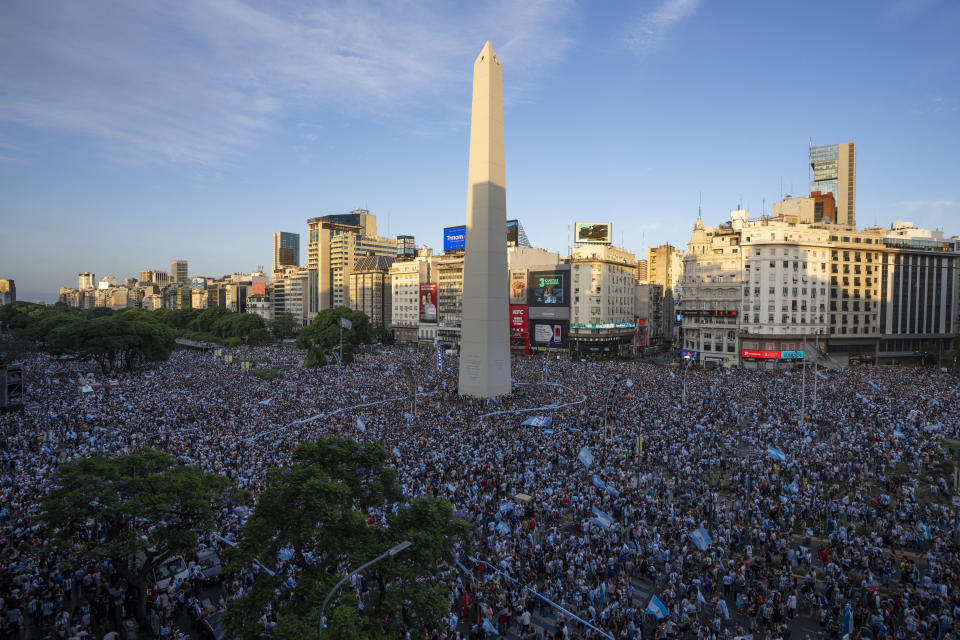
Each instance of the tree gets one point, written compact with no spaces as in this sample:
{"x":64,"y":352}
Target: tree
{"x":144,"y":508}
{"x":316,"y":511}
{"x":283,"y":326}
{"x":124,"y":339}
{"x":324,"y":331}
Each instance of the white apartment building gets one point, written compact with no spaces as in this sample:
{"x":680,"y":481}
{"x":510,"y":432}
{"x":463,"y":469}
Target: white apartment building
{"x":603,"y":285}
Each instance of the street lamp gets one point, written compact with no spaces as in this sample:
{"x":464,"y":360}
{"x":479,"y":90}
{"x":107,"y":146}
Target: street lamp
{"x":389,"y":554}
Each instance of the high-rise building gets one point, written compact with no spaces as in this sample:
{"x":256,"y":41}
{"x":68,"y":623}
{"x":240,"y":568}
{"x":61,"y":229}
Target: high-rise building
{"x":834,"y":169}
{"x":370,"y":288}
{"x":286,"y":249}
{"x":178,"y":271}
{"x":664,"y":266}
{"x":334,"y":244}
{"x":86,"y":280}
{"x":8,"y":292}
{"x":641,"y":272}
{"x":406,"y":248}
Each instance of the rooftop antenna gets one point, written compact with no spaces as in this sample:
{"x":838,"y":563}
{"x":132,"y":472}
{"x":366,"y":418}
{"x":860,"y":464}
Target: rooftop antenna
{"x":763,"y":207}
{"x":781,"y":187}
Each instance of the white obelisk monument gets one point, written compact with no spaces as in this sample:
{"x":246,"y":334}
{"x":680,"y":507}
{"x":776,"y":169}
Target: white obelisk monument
{"x":485,"y":338}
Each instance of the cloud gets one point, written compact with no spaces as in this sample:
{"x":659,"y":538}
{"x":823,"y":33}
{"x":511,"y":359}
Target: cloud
{"x":650,"y":30}
{"x":939,"y":104}
{"x":919,"y":205}
{"x":202,"y":81}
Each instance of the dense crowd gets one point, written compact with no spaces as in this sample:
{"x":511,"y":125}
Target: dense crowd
{"x":852,"y":529}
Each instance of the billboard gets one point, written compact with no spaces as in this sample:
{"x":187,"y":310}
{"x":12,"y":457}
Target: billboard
{"x":518,"y":321}
{"x":428,"y":302}
{"x":549,"y":333}
{"x":513,"y":232}
{"x":770,"y":354}
{"x":548,"y":289}
{"x":455,"y":238}
{"x":688,"y":354}
{"x":198,"y":283}
{"x":518,"y":287}
{"x":595,"y":232}
{"x":642,"y":338}
{"x":258,"y":288}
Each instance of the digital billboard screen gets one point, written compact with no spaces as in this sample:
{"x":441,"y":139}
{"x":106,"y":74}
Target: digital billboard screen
{"x":548,"y":289}
{"x":428,"y":302}
{"x":513,"y":232}
{"x":596,"y":232}
{"x":455,"y":238}
{"x":549,"y":333}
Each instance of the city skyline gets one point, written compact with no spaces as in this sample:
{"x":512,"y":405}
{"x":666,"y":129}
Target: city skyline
{"x":114,"y":159}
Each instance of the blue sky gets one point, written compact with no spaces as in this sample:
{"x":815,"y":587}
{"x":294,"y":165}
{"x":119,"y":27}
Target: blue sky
{"x":132,"y":135}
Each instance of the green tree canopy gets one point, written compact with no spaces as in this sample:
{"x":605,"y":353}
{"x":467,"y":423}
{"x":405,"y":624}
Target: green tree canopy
{"x":317,"y":511}
{"x":145,"y":507}
{"x":324,"y":331}
{"x":125,"y":339}
{"x":283,"y":326}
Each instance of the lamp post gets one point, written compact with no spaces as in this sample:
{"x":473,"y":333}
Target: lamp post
{"x":389,"y":554}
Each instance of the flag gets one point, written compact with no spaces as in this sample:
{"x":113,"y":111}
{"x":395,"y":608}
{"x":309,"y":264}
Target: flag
{"x":875,"y":386}
{"x":361,"y":424}
{"x":598,"y":483}
{"x":345,"y":323}
{"x":847,"y":620}
{"x":603,"y":519}
{"x":612,"y":491}
{"x":439,"y":357}
{"x":700,"y":597}
{"x":629,"y":383}
{"x":488,"y":627}
{"x":724,"y":611}
{"x":701,"y":539}
{"x":657,"y":608}
{"x":506,"y":507}
{"x":776,"y":454}
{"x":407,"y":416}
{"x":585,"y":457}
{"x":925,"y":530}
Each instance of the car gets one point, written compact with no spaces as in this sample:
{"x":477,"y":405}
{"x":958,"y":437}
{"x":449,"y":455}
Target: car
{"x":170,"y":570}
{"x":211,"y":568}
{"x":212,"y":626}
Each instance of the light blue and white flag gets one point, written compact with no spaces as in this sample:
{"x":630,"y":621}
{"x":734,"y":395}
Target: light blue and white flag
{"x":612,"y":491}
{"x":396,"y":452}
{"x":776,"y":454}
{"x":724,"y":611}
{"x":538,"y":421}
{"x":629,"y":383}
{"x":700,"y":597}
{"x":847,"y":620}
{"x":657,"y":608}
{"x":345,"y":323}
{"x":701,"y":539}
{"x":875,"y":386}
{"x":598,"y":483}
{"x":407,"y":416}
{"x":506,"y":507}
{"x":605,"y":520}
{"x":585,"y":457}
{"x":489,"y":628}
{"x":924,"y":529}
{"x":361,"y":424}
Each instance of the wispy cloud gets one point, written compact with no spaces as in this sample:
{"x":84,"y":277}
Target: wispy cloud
{"x":649,"y":32}
{"x":939,"y":104}
{"x":201,"y":81}
{"x":912,"y":206}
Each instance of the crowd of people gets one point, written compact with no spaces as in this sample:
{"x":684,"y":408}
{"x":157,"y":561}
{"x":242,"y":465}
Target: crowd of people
{"x":639,"y":511}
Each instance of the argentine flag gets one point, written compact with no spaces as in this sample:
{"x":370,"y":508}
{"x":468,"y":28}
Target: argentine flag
{"x":489,"y":628}
{"x":776,"y":454}
{"x":361,"y":424}
{"x":585,"y":457}
{"x":602,"y":519}
{"x":701,"y":539}
{"x":657,"y":608}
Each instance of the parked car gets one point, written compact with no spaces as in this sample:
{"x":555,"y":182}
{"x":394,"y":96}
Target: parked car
{"x":172,"y":569}
{"x":211,"y":569}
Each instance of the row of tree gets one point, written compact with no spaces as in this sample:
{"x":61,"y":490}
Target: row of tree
{"x":315,"y":513}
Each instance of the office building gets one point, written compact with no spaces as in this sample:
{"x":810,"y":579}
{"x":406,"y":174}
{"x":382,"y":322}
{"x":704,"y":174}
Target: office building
{"x":178,"y":272}
{"x":641,"y":272}
{"x":664,"y":266}
{"x":370,"y":288}
{"x":834,"y":169}
{"x":406,"y":279}
{"x":334,"y":244}
{"x":603,"y":286}
{"x":289,"y":293}
{"x":86,"y":280}
{"x":8,"y":292}
{"x":286,"y":249}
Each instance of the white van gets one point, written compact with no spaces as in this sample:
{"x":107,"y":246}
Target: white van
{"x":170,"y":570}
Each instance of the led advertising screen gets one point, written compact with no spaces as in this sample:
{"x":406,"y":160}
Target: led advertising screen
{"x":455,"y":238}
{"x":548,"y":289}
{"x":518,"y":320}
{"x":595,"y":232}
{"x":513,"y":232}
{"x":549,"y":333}
{"x":428,"y":302}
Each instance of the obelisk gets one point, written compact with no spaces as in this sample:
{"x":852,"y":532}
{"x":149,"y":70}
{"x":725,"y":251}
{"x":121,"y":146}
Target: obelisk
{"x":485,"y":338}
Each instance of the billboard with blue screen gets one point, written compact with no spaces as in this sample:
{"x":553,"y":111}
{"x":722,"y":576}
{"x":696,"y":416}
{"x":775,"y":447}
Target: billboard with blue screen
{"x":455,"y":238}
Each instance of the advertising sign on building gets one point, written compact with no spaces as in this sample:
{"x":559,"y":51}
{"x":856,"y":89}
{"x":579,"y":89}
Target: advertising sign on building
{"x":594,"y":232}
{"x":548,"y":289}
{"x":688,"y":354}
{"x":518,"y":287}
{"x":549,"y":333}
{"x":513,"y":233}
{"x":518,"y":320}
{"x":642,"y":339}
{"x":258,"y":288}
{"x":428,"y":302}
{"x":455,"y":238}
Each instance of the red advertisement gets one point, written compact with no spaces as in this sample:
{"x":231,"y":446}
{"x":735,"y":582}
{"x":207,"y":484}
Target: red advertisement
{"x":518,"y":320}
{"x":762,"y":355}
{"x":641,"y":333}
{"x":258,"y":288}
{"x":428,"y":302}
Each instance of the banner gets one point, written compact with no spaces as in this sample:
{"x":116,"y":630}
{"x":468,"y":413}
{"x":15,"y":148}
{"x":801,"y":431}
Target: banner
{"x":585,"y":457}
{"x":428,"y":302}
{"x":549,"y":333}
{"x":657,"y":608}
{"x":593,"y":232}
